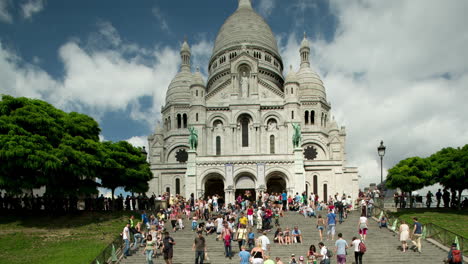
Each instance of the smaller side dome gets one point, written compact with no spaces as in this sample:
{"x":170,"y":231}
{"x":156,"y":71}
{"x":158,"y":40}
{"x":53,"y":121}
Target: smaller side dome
{"x":333,"y":126}
{"x":305,"y":42}
{"x":291,"y":77}
{"x":185,"y":47}
{"x":198,"y":78}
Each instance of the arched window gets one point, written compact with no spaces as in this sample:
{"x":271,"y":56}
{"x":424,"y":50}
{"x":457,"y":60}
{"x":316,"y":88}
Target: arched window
{"x":196,"y":92}
{"x":245,"y":132}
{"x":169,"y":123}
{"x":185,"y":120}
{"x":321,"y":120}
{"x":325,"y":192}
{"x":312,"y":117}
{"x":168,"y":190}
{"x":196,"y":117}
{"x":218,"y":146}
{"x":325,"y":121}
{"x":177,"y":186}
{"x":306,"y":117}
{"x":179,"y":121}
{"x":272,"y":144}
{"x":315,"y":185}
{"x":292,"y":90}
{"x":292,"y":114}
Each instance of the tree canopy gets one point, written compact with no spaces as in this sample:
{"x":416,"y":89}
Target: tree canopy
{"x":449,"y":167}
{"x":41,"y":145}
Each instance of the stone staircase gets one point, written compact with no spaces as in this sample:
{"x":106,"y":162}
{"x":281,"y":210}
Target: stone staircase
{"x":382,"y":245}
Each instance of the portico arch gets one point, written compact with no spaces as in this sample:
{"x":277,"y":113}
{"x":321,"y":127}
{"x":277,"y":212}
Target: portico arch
{"x":276,"y":182}
{"x":245,"y":185}
{"x":212,"y":184}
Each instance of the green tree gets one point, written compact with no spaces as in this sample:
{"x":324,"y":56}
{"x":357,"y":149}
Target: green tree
{"x":410,"y":174}
{"x":124,"y":166}
{"x":451,"y":169}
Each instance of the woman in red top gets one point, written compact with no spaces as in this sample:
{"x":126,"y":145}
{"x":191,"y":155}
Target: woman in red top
{"x":250,"y":212}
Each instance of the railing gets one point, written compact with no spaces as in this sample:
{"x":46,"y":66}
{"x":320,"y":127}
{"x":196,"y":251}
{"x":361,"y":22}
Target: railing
{"x":433,"y":231}
{"x":111,"y":253}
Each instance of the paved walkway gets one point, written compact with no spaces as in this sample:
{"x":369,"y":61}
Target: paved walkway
{"x":382,"y":245}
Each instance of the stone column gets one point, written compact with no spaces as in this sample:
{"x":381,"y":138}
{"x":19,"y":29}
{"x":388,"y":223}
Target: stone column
{"x":299,"y":174}
{"x":191,"y":174}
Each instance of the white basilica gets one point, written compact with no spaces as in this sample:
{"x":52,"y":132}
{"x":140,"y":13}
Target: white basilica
{"x":243,"y":115}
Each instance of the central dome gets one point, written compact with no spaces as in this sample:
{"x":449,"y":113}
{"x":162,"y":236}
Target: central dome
{"x":245,"y":26}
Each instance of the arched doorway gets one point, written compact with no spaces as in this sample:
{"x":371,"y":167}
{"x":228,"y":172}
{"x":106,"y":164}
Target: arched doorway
{"x":214,"y":184}
{"x":245,"y":186}
{"x":276,"y":182}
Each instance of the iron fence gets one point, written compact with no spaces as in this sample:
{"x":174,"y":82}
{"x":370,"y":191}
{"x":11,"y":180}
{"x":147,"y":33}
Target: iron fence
{"x":111,"y":254}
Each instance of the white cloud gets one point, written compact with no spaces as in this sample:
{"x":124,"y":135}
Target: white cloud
{"x":397,"y":72}
{"x":161,"y":19}
{"x":265,"y":7}
{"x":139,"y":141}
{"x":96,"y":78}
{"x":5,"y":15}
{"x":31,"y":7}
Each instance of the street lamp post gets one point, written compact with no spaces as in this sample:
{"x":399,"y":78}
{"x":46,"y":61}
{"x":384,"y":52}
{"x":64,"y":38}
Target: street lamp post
{"x":144,"y":153}
{"x":381,"y":151}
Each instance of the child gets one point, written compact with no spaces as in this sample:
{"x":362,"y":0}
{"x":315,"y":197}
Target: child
{"x":180,"y":222}
{"x":276,"y":216}
{"x":251,"y":239}
{"x":194,"y":222}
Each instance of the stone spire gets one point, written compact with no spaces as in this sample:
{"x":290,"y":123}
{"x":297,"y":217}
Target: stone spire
{"x":185,"y":56}
{"x":305,"y":52}
{"x":245,"y":4}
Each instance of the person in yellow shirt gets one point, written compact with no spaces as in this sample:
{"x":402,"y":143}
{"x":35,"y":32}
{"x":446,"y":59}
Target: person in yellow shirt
{"x":243,"y":220}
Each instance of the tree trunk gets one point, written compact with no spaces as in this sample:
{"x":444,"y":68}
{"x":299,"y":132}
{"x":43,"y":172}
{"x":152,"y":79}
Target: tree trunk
{"x":112,"y":200}
{"x":410,"y":200}
{"x":459,"y":199}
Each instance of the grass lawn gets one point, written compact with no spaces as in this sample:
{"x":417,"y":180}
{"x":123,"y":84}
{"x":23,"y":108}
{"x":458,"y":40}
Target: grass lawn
{"x":44,"y":239}
{"x":452,"y":220}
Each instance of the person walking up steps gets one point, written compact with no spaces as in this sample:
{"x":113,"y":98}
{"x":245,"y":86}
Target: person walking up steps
{"x":323,"y":254}
{"x":417,"y":233}
{"x":331,"y":223}
{"x":340,"y":248}
{"x":320,"y":226}
{"x":357,"y":250}
{"x":362,"y":225}
{"x":244,"y":256}
{"x":404,"y":235}
{"x":199,"y":246}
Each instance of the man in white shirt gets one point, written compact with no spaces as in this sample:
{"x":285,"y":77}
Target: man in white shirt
{"x":126,"y":239}
{"x":265,"y":241}
{"x":323,"y":254}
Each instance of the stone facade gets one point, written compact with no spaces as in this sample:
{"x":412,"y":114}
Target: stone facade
{"x":243,"y":114}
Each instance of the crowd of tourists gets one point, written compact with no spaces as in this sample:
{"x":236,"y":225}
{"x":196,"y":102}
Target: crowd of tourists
{"x":245,"y":225}
{"x":73,"y":203}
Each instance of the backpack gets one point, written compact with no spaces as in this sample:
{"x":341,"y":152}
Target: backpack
{"x":456,"y":256}
{"x":329,"y":253}
{"x":362,"y":247}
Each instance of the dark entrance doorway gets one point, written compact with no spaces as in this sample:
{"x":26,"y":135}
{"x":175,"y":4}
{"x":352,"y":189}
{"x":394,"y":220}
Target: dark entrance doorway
{"x":214,"y":185}
{"x":276,"y":184}
{"x":248,"y":194}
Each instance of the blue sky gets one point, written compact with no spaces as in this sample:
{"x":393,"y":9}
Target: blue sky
{"x":393,"y":70}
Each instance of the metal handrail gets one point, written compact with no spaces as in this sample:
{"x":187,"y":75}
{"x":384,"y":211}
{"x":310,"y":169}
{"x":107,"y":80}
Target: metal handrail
{"x":110,"y":254}
{"x":433,"y":231}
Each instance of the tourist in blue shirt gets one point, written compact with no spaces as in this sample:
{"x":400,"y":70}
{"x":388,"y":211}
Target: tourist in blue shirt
{"x":296,"y":234}
{"x":331,"y":222}
{"x":341,"y":246}
{"x":417,"y":233}
{"x":244,"y":256}
{"x":284,"y":199}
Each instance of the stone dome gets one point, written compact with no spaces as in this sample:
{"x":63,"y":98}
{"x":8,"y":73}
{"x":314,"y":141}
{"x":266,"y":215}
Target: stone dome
{"x":178,"y":90}
{"x":245,"y":26}
{"x":198,"y":79}
{"x":291,"y":77}
{"x":310,"y":83}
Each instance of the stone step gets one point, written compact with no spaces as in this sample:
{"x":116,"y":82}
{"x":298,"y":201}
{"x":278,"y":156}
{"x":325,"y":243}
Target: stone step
{"x":382,"y":244}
